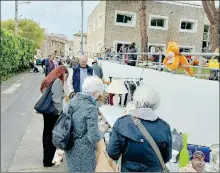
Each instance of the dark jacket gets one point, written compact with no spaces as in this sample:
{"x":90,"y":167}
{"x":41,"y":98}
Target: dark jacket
{"x":132,"y":56}
{"x":98,"y":70}
{"x":49,"y":66}
{"x":76,"y":76}
{"x":137,"y":154}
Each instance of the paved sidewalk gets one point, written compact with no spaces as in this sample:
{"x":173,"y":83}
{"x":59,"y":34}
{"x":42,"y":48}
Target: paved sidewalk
{"x":29,"y":156}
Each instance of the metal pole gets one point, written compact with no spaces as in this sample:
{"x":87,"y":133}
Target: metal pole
{"x":16,"y":17}
{"x":82,"y":27}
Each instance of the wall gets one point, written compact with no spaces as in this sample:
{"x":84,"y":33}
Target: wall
{"x":97,"y":35}
{"x":191,"y":105}
{"x":122,"y":33}
{"x":77,"y":45}
{"x":174,"y":14}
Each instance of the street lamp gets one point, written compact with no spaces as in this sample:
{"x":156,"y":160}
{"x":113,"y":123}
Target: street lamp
{"x":16,"y":13}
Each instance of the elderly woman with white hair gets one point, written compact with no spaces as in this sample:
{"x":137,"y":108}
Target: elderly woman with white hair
{"x":82,"y":156}
{"x":126,"y":139}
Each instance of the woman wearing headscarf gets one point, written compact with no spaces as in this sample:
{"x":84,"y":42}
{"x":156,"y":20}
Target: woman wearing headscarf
{"x":127,"y":141}
{"x":56,"y":78}
{"x":82,"y":156}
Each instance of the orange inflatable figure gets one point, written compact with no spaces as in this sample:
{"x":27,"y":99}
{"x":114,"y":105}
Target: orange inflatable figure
{"x":174,"y":60}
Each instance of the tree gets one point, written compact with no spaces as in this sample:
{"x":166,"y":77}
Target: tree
{"x":26,"y":28}
{"x":213,"y":15}
{"x":143,"y":29}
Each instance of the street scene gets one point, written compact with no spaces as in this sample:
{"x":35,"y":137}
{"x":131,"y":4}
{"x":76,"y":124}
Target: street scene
{"x":110,"y":86}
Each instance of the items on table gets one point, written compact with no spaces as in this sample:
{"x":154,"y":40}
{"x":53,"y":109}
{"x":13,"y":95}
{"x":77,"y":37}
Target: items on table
{"x":193,"y":148}
{"x":198,"y":162}
{"x":184,"y":154}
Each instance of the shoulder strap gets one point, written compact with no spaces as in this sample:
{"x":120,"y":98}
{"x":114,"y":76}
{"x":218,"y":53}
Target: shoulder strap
{"x":149,"y":138}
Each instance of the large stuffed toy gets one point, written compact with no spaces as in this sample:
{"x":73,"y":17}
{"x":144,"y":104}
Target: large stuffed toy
{"x":174,"y":60}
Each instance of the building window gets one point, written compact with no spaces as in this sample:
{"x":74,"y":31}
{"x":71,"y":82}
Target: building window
{"x":158,"y":22}
{"x":123,"y":18}
{"x":206,"y":39}
{"x":188,"y":25}
{"x":100,"y":20}
{"x":93,"y":25}
{"x":186,"y":49}
{"x":156,"y":48}
{"x":118,"y":45}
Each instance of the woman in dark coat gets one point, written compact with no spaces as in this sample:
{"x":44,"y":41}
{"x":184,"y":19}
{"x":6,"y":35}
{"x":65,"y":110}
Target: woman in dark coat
{"x":56,"y":78}
{"x":127,"y":141}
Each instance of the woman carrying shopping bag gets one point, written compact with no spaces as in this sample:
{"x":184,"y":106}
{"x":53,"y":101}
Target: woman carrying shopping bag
{"x":51,"y":105}
{"x":81,"y":157}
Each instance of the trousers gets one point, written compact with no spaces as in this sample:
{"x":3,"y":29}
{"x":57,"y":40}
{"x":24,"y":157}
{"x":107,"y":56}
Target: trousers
{"x":48,"y":148}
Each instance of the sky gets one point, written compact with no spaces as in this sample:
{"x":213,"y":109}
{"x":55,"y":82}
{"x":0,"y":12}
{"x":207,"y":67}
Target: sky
{"x":60,"y":17}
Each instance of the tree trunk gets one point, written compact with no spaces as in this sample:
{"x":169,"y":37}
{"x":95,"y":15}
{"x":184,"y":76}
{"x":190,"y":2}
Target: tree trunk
{"x":143,"y":29}
{"x":213,"y":15}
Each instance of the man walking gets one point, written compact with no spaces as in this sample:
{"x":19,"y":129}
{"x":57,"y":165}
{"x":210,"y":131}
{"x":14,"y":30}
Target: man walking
{"x":80,"y":72}
{"x":97,"y":69}
{"x":49,"y":64}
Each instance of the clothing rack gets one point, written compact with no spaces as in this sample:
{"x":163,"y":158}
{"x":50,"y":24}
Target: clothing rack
{"x":126,"y":78}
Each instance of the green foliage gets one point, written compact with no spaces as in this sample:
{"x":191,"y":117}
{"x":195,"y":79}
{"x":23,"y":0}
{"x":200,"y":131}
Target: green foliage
{"x":16,"y":53}
{"x":26,"y":28}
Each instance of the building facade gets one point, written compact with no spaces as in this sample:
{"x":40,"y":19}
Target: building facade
{"x":52,"y":43}
{"x":115,"y":23}
{"x":77,"y":43}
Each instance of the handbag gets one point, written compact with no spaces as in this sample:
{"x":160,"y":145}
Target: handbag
{"x":45,"y":103}
{"x":62,"y":134}
{"x":104,"y":162}
{"x":151,"y":141}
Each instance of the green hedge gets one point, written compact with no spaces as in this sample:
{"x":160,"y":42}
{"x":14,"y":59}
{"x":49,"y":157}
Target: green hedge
{"x":16,"y":53}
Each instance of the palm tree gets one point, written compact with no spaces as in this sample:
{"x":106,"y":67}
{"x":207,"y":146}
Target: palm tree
{"x":143,"y":28}
{"x":213,"y":15}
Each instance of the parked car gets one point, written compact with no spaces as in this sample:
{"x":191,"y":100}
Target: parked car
{"x":39,"y":61}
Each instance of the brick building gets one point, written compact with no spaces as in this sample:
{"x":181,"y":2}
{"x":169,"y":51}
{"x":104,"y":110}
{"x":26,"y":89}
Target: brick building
{"x":115,"y":23}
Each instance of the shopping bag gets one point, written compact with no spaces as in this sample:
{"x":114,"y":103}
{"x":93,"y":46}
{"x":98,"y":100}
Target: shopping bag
{"x":104,"y":162}
{"x":58,"y":157}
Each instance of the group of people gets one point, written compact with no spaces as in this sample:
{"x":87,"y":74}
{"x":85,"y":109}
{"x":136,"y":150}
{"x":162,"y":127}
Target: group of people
{"x":125,"y":140}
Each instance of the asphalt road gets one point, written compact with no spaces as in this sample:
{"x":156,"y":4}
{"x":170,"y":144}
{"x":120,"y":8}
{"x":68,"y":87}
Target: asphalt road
{"x":18,"y":97}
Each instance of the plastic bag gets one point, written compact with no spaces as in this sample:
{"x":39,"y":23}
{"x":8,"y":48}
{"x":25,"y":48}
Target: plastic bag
{"x":177,"y":141}
{"x":58,"y":157}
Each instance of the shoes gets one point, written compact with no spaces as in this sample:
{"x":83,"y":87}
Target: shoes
{"x":48,"y":165}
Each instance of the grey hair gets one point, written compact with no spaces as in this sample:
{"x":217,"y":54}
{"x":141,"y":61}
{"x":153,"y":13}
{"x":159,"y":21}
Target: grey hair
{"x":93,"y":84}
{"x":146,"y":97}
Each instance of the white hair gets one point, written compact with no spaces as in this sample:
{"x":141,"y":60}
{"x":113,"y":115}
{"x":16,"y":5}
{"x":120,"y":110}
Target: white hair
{"x":146,"y":97}
{"x":93,"y":84}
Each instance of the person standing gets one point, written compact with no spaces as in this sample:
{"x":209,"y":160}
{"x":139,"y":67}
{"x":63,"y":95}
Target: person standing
{"x":56,"y":78}
{"x":73,"y":62}
{"x":80,"y":72}
{"x":97,"y":69}
{"x":82,"y":156}
{"x":132,"y":57}
{"x":127,"y":140}
{"x":49,"y":64}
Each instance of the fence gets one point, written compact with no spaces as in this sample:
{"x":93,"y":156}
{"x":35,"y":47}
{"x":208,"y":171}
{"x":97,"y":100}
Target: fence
{"x":203,"y":71}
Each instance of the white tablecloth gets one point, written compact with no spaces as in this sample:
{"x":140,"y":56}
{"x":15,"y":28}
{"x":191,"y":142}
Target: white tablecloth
{"x":111,"y":113}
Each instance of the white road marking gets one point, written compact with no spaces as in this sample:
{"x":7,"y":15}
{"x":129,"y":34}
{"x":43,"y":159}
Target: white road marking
{"x":12,"y":88}
{"x":15,"y":86}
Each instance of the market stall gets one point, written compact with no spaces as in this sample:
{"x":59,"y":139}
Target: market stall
{"x":114,"y":109}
